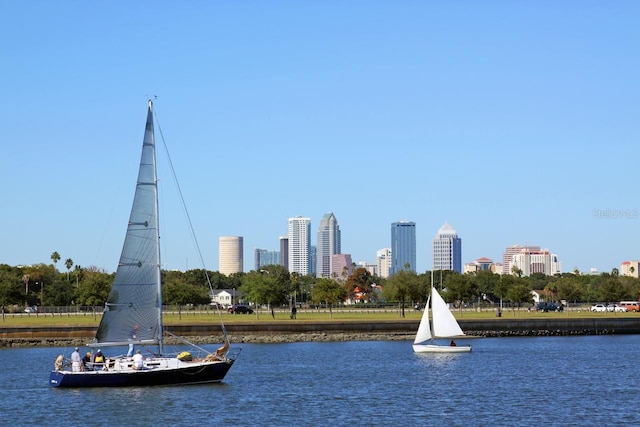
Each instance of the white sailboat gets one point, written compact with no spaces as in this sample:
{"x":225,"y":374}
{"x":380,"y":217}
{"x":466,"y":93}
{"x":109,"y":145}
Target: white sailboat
{"x":441,"y":325}
{"x":133,"y":311}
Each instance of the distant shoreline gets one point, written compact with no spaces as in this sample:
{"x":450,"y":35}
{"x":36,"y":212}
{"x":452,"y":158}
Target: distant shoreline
{"x":303,"y":331}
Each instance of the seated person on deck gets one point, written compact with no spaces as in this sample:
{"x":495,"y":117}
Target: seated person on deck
{"x":98,"y":360}
{"x":138,"y":360}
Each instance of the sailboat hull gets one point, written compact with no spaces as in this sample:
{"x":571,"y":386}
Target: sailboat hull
{"x":433,"y":348}
{"x":177,"y":374}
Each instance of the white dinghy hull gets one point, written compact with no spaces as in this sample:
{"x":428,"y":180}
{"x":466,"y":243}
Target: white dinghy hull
{"x":432,"y":348}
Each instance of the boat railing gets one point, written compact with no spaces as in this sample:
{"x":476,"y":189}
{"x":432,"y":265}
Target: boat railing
{"x":233,"y":353}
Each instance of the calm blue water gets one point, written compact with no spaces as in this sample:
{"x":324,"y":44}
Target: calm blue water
{"x":504,"y":381}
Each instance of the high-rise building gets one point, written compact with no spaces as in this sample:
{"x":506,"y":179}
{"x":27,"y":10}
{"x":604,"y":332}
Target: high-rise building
{"x":312,"y":260}
{"x":403,"y":246}
{"x":630,"y":268}
{"x":383,"y":260}
{"x":328,"y":244}
{"x":527,"y":262}
{"x":263,"y":257}
{"x":447,"y":250}
{"x":342,"y":266}
{"x":284,"y":252}
{"x":230,"y":254}
{"x":299,"y":235}
{"x":509,"y":252}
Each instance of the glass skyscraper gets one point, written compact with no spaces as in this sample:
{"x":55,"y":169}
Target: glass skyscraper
{"x":263,"y":257}
{"x":403,"y":246}
{"x":328,"y":244}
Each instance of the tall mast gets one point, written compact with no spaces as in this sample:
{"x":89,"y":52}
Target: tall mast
{"x":152,"y":142}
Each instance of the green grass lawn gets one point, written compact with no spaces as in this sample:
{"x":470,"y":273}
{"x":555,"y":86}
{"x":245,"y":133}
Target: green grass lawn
{"x":341,"y":314}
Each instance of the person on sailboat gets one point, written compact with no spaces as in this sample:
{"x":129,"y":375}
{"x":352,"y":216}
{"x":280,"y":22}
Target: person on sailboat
{"x":58,"y":364}
{"x":98,"y":360}
{"x":133,"y":335}
{"x":76,"y":361}
{"x":138,"y":360}
{"x":86,"y":361}
{"x":453,"y":343}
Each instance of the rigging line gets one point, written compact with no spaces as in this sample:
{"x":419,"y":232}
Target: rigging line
{"x":185,"y":341}
{"x":186,"y":213}
{"x":182,"y":202}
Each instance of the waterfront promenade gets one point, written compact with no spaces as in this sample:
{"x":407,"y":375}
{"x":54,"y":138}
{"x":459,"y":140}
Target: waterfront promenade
{"x":249,"y":330}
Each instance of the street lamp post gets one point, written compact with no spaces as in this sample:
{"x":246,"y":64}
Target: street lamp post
{"x":26,"y":289}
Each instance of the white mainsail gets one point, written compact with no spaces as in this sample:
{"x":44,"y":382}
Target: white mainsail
{"x":444,"y":323}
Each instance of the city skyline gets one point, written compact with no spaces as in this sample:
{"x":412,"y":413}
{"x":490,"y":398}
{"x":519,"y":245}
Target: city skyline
{"x":517,"y":122}
{"x":234,"y":258}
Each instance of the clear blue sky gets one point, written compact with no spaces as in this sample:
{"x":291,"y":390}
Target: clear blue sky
{"x":518,"y":122}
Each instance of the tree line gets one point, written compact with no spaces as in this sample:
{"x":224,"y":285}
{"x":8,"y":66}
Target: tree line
{"x":44,"y":285}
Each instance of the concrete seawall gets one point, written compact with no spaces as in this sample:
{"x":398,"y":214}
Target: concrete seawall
{"x":332,"y":330}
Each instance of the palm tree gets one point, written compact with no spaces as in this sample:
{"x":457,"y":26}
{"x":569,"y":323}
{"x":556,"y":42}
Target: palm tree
{"x":55,"y":257}
{"x":516,"y":271}
{"x":68,"y":263}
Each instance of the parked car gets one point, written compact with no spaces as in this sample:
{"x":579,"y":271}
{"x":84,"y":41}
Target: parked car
{"x":31,"y":310}
{"x":237,"y":308}
{"x":617,"y":308}
{"x":598,"y":307}
{"x":631,"y":305}
{"x":549,"y":306}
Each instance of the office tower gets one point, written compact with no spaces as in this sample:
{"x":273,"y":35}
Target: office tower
{"x":230,"y":254}
{"x":328,"y":244}
{"x":263,"y":257}
{"x":447,"y":250}
{"x":342,"y":266}
{"x":403,"y":246}
{"x":509,"y":252}
{"x":313,"y":260}
{"x":284,"y":252}
{"x":299,"y":235}
{"x":383,"y":260}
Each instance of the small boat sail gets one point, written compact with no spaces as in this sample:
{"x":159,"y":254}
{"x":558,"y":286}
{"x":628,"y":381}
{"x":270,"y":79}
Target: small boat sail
{"x":441,"y":325}
{"x":133,"y":311}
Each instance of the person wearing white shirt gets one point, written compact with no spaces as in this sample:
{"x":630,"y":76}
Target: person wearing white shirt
{"x":137,"y":360}
{"x":76,"y":361}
